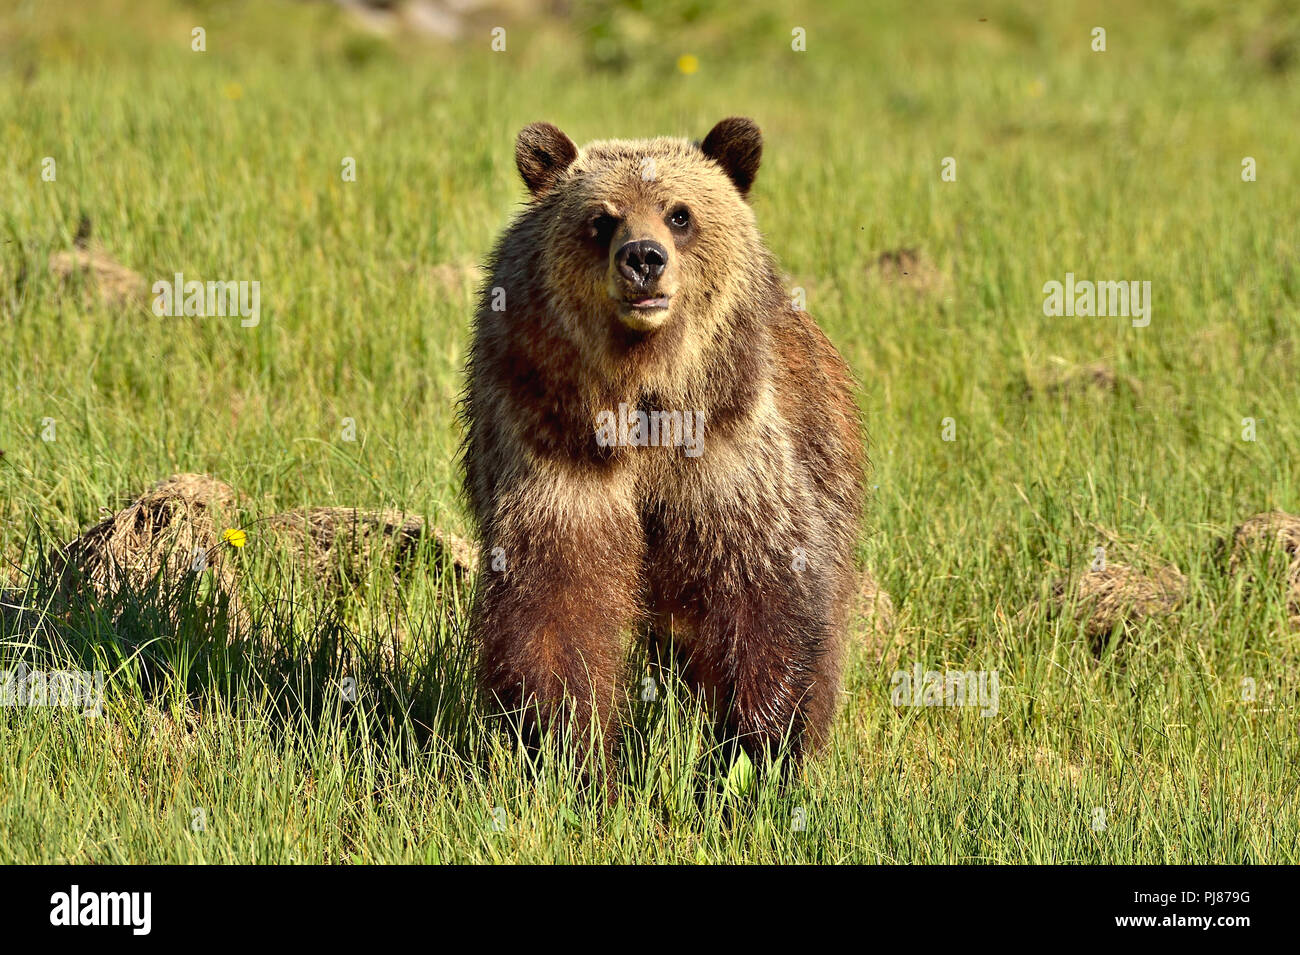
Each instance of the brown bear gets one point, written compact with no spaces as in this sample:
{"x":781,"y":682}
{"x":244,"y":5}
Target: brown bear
{"x":657,"y":441}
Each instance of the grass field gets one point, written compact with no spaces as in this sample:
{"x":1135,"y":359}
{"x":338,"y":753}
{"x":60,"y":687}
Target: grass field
{"x":1172,"y":739}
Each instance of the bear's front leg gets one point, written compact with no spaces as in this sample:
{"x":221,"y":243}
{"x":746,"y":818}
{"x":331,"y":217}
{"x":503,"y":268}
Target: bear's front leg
{"x":558,"y":588}
{"x":769,"y":660}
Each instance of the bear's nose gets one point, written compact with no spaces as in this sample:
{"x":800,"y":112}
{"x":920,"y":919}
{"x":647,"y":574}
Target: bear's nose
{"x":641,"y":261}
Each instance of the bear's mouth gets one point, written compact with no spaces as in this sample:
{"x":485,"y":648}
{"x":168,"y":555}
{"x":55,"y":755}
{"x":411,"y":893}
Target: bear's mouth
{"x":643,"y":313}
{"x":647,"y":303}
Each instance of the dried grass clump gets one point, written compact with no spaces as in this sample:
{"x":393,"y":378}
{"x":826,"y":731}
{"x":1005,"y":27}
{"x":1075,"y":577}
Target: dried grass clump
{"x":172,"y":530}
{"x":1096,"y":377}
{"x":908,"y":268}
{"x":1120,"y":594}
{"x":344,"y":543}
{"x":104,"y":275}
{"x":1061,"y":379}
{"x":875,"y":608}
{"x":438,"y":19}
{"x":874,"y":620}
{"x":1274,"y":46}
{"x":1274,"y":536}
{"x":173,"y":537}
{"x":449,"y":278}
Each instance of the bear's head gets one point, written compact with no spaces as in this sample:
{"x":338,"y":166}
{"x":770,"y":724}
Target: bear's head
{"x":632,"y":236}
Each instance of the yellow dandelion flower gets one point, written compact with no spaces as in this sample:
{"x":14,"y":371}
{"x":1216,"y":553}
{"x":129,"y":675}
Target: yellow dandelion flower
{"x":688,"y":63}
{"x":234,"y":537}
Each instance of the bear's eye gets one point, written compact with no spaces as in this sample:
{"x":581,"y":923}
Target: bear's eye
{"x":680,"y":218}
{"x":601,"y":228}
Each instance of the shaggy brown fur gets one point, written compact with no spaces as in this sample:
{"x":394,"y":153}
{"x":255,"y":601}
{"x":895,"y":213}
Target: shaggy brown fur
{"x":740,"y":557}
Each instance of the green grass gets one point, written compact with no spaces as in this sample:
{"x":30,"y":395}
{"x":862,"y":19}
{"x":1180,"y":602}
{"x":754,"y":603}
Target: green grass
{"x":226,"y":165}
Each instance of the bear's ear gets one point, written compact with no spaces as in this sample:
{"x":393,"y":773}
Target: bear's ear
{"x":736,"y":144}
{"x":542,"y":153}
